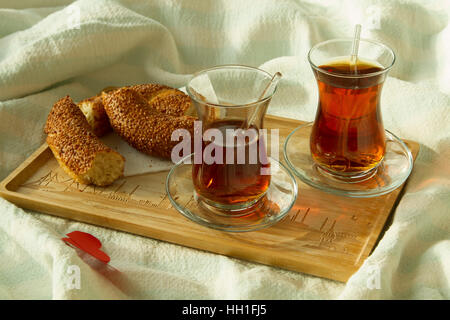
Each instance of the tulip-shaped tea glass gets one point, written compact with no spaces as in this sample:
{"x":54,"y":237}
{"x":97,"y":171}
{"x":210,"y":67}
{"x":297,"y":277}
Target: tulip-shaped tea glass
{"x":235,"y":184}
{"x":347,"y":141}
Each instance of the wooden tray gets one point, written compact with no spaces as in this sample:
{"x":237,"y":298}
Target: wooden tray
{"x":323,"y":235}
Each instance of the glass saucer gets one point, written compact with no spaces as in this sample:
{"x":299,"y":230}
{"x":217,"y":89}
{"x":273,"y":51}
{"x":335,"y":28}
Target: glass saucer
{"x":271,"y":208}
{"x":389,"y":175}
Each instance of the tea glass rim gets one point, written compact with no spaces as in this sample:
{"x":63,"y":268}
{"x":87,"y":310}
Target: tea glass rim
{"x":229,"y":66}
{"x":340,"y":75}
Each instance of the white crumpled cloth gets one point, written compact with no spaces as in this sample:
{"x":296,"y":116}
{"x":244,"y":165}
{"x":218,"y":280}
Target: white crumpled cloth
{"x":49,"y":50}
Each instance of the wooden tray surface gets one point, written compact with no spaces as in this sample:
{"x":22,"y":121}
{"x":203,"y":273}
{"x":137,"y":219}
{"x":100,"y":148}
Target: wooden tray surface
{"x":323,"y":235}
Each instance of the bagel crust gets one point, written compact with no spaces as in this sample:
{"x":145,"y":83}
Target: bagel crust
{"x":161,"y":98}
{"x":77,"y":149}
{"x":143,"y":127}
{"x":165,"y":99}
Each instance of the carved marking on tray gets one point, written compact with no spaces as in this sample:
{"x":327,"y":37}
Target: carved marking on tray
{"x":96,"y":190}
{"x":57,"y":182}
{"x":304,"y":216}
{"x":295,"y":216}
{"x":134,"y":190}
{"x":323,"y":224}
{"x":120,"y":186}
{"x":165,"y":197}
{"x":53,"y":181}
{"x":44,"y":180}
{"x":328,"y":236}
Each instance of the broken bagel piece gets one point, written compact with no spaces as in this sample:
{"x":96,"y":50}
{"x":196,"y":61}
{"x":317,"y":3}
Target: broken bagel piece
{"x":77,"y":149}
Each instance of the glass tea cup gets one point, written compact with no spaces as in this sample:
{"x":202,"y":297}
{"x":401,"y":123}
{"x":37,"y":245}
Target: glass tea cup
{"x":348,"y":140}
{"x":231,"y":169}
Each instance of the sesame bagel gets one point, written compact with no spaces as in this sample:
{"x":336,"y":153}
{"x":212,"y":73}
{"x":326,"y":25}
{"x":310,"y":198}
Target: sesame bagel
{"x":77,"y":149}
{"x":143,"y":127}
{"x":161,"y":98}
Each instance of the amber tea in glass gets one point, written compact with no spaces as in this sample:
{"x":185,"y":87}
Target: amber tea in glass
{"x":348,"y":137}
{"x":232,"y":181}
{"x":228,"y":100}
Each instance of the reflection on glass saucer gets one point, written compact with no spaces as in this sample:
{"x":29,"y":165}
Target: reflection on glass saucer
{"x":390,"y":174}
{"x":271,"y":208}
